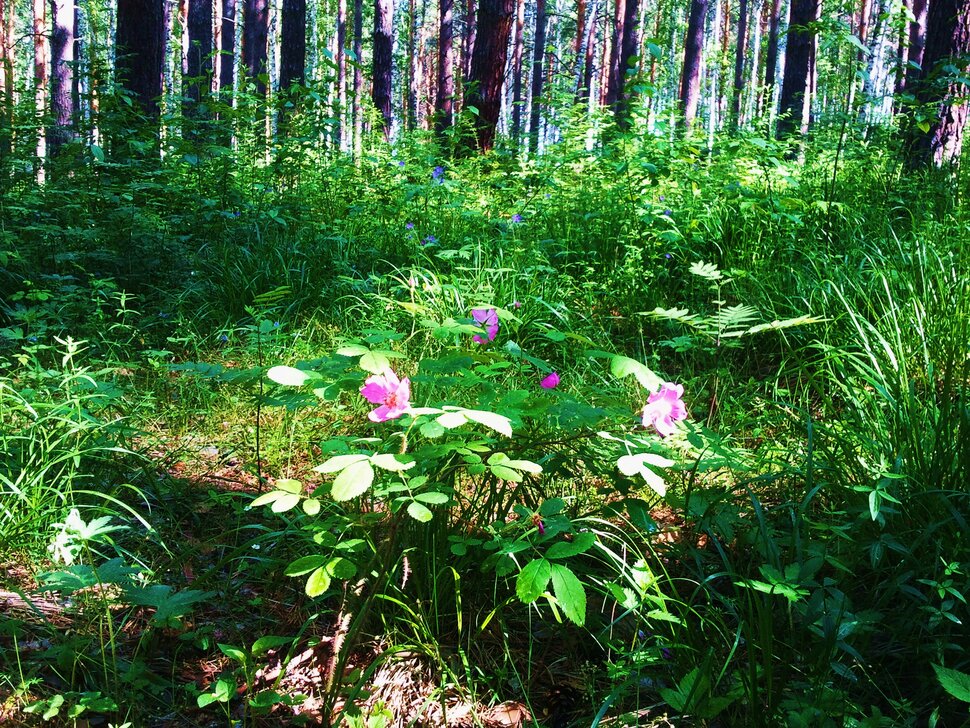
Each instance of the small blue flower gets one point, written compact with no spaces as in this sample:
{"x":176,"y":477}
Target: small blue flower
{"x":223,"y":338}
{"x":668,"y":212}
{"x":437,"y":174}
{"x":401,"y":163}
{"x":32,"y":339}
{"x":276,"y":324}
{"x":409,"y":226}
{"x":429,"y":240}
{"x":662,"y":198}
{"x":668,"y":256}
{"x":516,"y":217}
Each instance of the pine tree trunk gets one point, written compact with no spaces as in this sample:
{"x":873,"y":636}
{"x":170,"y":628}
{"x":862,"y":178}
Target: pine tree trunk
{"x":6,"y":77}
{"x":585,"y":81}
{"x":690,"y":80}
{"x":917,"y":39}
{"x":740,"y":53}
{"x":538,"y":50}
{"x":771,"y":52}
{"x":383,"y":61}
{"x":796,"y":84}
{"x":413,"y":59}
{"x":140,"y":51}
{"x":445,"y":100}
{"x":862,"y":33}
{"x":628,"y":49}
{"x":40,"y":84}
{"x":358,"y":77}
{"x":578,"y":46}
{"x":902,"y":51}
{"x":227,"y":49}
{"x":255,"y":40}
{"x":494,"y":26}
{"x":340,"y":132}
{"x":198,"y":57}
{"x":470,"y":35}
{"x":517,"y":53}
{"x":63,"y":108}
{"x":293,"y":43}
{"x":947,"y":40}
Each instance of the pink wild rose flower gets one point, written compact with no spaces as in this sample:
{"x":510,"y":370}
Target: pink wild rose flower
{"x":665,"y":407}
{"x":392,"y":394}
{"x":550,"y":382}
{"x":487,"y":317}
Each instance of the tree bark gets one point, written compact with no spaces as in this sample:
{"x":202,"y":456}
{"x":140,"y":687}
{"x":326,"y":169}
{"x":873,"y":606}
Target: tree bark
{"x":383,"y":60}
{"x":6,"y":77}
{"x":740,"y":53}
{"x":140,"y":51}
{"x":494,"y":25}
{"x":628,"y":49}
{"x":517,"y":53}
{"x":614,"y":78}
{"x":585,"y":80}
{"x":340,"y":131}
{"x":227,"y":49}
{"x":199,"y":55}
{"x":41,"y":73}
{"x":917,"y":39}
{"x":358,"y":77}
{"x":771,"y":52}
{"x":690,"y":80}
{"x":411,"y":122}
{"x":795,"y":86}
{"x":293,"y":43}
{"x":947,"y":40}
{"x":63,"y":108}
{"x":538,"y":50}
{"x":469,"y":38}
{"x":255,"y":39}
{"x":445,"y":100}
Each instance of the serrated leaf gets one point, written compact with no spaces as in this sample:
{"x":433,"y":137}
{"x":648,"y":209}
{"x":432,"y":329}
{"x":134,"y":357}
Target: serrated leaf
{"x":526,"y":466}
{"x":342,"y":568}
{"x":267,"y":643}
{"x":304,"y":565}
{"x":338,"y":463}
{"x":285,"y":502}
{"x":434,"y":497}
{"x":352,"y":481}
{"x":352,"y":350}
{"x":532,"y":580}
{"x":233,"y":653}
{"x":266,"y":498}
{"x":290,"y":376}
{"x":390,"y":462}
{"x":706,"y":270}
{"x":623,"y":366}
{"x":317,"y":583}
{"x":289,"y":485}
{"x":419,"y":512}
{"x":374,"y":362}
{"x":552,"y":506}
{"x":504,"y":473}
{"x":311,"y":506}
{"x":497,"y":422}
{"x":564,"y":549}
{"x":569,"y":593}
{"x":431,"y":430}
{"x":451,"y":420}
{"x":956,"y":683}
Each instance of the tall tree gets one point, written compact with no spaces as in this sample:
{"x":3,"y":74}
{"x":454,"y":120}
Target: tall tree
{"x":799,"y":56}
{"x":517,"y":53}
{"x":690,"y":79}
{"x":140,"y":50}
{"x":383,"y":61}
{"x":494,"y":26}
{"x":585,"y":81}
{"x":411,"y":92}
{"x":62,"y":73}
{"x":771,"y":51}
{"x":341,"y":131}
{"x":40,"y":82}
{"x":917,"y":39}
{"x":255,"y":39}
{"x":469,"y":37}
{"x":293,"y":43}
{"x":740,"y":53}
{"x":227,"y":47}
{"x":199,"y":53}
{"x":538,"y":50}
{"x":862,"y":33}
{"x":358,"y":77}
{"x":947,"y":44}
{"x":6,"y":82}
{"x":445,"y":98}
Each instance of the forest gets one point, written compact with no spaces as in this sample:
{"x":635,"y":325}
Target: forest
{"x":550,"y":363}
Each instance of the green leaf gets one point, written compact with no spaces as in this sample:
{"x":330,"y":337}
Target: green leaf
{"x":434,"y":497}
{"x":503,"y":473}
{"x":622,"y":366}
{"x":289,"y":485}
{"x":304,"y":565}
{"x":392,"y":463}
{"x":419,"y":512}
{"x":374,"y":362}
{"x":317,"y":583}
{"x":552,"y":506}
{"x":339,"y":462}
{"x":352,"y":481}
{"x":499,"y":423}
{"x":342,"y":568}
{"x":267,"y":643}
{"x":563,"y":549}
{"x":285,"y":502}
{"x":233,"y":653}
{"x":290,"y":376}
{"x":569,"y":593}
{"x":532,"y":580}
{"x":352,"y":350}
{"x":311,"y":506}
{"x":956,"y":683}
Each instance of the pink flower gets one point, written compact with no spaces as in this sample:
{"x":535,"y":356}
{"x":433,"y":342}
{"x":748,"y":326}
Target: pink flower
{"x":487,"y":317}
{"x":392,"y":394}
{"x":550,"y":382}
{"x":665,"y":407}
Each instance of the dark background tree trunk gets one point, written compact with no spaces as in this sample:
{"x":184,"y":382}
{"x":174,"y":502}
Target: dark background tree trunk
{"x":62,"y":73}
{"x":383,"y":60}
{"x":798,"y":66}
{"x":358,"y":75}
{"x":227,"y":48}
{"x":445,"y":100}
{"x":255,"y":37}
{"x":690,"y":80}
{"x":947,"y":40}
{"x":293,"y":43}
{"x":771,"y":52}
{"x":740,"y":52}
{"x":140,"y":51}
{"x":199,"y":55}
{"x":494,"y":24}
{"x":614,"y":79}
{"x":517,"y":53}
